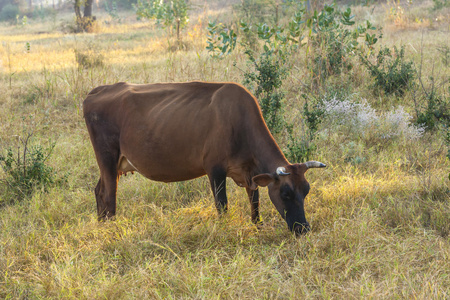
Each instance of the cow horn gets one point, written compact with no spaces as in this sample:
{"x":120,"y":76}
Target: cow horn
{"x":281,"y":171}
{"x":314,"y":164}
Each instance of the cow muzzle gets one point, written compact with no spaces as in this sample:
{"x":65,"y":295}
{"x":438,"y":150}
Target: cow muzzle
{"x":300,"y":229}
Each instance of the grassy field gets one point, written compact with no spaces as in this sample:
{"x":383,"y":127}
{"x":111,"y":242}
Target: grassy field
{"x":380,"y":212}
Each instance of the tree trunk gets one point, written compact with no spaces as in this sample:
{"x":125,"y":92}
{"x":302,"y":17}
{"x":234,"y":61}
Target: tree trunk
{"x":178,"y":31}
{"x":86,"y":21}
{"x":88,"y":8}
{"x":78,"y":10}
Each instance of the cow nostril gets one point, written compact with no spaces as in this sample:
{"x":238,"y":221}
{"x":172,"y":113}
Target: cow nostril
{"x":302,"y":229}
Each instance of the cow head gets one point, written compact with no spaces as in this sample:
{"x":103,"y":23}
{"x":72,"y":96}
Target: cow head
{"x":287,"y":190}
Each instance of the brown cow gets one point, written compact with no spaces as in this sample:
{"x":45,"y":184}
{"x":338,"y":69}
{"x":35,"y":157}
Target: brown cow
{"x":179,"y":131}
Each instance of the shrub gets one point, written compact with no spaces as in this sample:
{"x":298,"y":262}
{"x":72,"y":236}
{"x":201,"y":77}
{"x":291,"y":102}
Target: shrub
{"x":26,"y":168}
{"x":9,"y":12}
{"x":171,"y":14}
{"x":112,"y":11}
{"x":444,"y":52}
{"x":437,"y":111}
{"x":431,"y":100}
{"x":313,"y":116}
{"x":270,"y":67}
{"x":391,"y":72}
{"x":333,"y":41}
{"x":438,"y":4}
{"x":447,"y":143}
{"x":299,"y":149}
{"x":267,"y":74}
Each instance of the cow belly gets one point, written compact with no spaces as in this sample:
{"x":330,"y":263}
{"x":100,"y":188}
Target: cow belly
{"x":160,"y":168}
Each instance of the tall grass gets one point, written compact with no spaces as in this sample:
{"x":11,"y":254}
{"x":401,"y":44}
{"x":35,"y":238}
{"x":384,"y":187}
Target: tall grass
{"x":380,"y":212}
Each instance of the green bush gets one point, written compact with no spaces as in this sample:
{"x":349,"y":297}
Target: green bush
{"x":26,"y":169}
{"x":267,"y":73}
{"x":444,"y":51}
{"x":9,"y":12}
{"x":391,"y":71}
{"x":112,"y":11}
{"x":438,"y":4}
{"x":299,"y":149}
{"x":334,"y":40}
{"x":437,"y":111}
{"x":172,"y":14}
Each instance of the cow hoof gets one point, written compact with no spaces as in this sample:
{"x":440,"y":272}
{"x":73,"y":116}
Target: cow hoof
{"x":259,"y":224}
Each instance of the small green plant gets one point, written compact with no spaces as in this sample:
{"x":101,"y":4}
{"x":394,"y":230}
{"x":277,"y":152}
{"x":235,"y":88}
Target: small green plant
{"x":444,"y":51}
{"x":302,"y":148}
{"x":299,"y":149}
{"x":440,"y":4}
{"x":447,"y":142}
{"x":21,"y":22}
{"x":313,"y":114}
{"x":26,"y":169}
{"x":266,"y":75}
{"x":391,"y":71}
{"x":112,"y":11}
{"x":437,"y":111}
{"x":89,"y":58}
{"x":431,"y":99}
{"x":172,"y":15}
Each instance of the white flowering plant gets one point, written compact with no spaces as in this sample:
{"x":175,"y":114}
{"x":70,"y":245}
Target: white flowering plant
{"x":359,"y":120}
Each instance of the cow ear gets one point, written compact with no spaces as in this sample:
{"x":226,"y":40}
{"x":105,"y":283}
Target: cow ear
{"x":263,"y":179}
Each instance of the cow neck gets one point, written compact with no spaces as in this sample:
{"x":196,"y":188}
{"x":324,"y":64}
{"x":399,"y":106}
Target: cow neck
{"x":269,"y":157}
{"x":272,"y":162}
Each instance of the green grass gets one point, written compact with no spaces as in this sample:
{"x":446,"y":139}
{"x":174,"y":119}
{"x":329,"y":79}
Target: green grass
{"x":380,"y":225}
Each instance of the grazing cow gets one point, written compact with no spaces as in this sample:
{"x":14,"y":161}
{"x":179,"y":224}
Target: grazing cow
{"x":179,"y":131}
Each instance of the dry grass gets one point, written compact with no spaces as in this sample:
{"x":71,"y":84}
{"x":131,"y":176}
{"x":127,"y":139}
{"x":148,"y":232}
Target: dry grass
{"x":380,"y":229}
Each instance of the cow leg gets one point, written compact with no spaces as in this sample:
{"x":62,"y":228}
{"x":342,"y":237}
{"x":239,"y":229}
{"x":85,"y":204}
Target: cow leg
{"x":105,"y":194}
{"x":105,"y":140}
{"x":253,"y":196}
{"x":217,"y":178}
